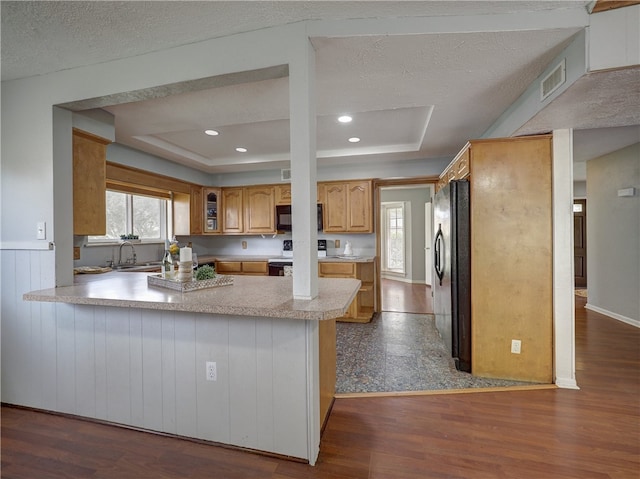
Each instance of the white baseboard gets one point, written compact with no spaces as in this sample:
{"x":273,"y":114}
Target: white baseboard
{"x":619,"y":317}
{"x":567,"y":383}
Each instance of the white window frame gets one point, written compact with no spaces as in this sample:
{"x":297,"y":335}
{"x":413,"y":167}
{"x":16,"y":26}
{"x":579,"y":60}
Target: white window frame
{"x":165,"y":220}
{"x":384,"y":209}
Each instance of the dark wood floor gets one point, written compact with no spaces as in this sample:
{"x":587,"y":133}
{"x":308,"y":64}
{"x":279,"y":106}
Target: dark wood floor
{"x":401,"y":297}
{"x":592,"y":433}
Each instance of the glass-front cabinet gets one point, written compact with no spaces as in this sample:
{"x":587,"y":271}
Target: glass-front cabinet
{"x":211,"y":209}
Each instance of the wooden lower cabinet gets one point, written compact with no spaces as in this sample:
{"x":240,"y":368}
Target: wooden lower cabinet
{"x":256,"y":268}
{"x":363,"y":306}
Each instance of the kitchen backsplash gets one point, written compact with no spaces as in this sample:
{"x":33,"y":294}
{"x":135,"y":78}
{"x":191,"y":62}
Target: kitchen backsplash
{"x":361,"y":245}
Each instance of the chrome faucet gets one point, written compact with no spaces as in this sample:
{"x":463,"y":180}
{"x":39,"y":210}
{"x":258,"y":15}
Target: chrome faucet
{"x":120,"y":252}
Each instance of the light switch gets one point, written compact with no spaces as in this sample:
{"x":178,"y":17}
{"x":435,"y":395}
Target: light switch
{"x":41,"y":230}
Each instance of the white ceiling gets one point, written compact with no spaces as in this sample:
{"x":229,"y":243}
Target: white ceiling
{"x":411,"y":96}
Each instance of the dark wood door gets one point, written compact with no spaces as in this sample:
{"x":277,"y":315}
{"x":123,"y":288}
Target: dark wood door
{"x":580,"y":242}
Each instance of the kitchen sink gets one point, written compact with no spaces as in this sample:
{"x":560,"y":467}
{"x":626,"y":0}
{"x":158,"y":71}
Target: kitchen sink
{"x":138,"y":267}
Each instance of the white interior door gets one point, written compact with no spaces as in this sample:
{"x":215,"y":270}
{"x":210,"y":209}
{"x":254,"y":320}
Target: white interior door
{"x":428,"y":239}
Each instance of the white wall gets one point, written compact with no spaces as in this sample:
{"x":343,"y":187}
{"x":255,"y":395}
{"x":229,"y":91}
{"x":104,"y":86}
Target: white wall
{"x":615,"y":38}
{"x":146,"y":368}
{"x":613,"y":235}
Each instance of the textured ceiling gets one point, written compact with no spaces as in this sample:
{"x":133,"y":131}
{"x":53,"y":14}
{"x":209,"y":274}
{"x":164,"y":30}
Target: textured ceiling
{"x":42,"y":37}
{"x":412,"y":96}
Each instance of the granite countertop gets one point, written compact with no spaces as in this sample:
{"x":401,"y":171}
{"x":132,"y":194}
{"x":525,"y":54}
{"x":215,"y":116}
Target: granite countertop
{"x":264,"y":296}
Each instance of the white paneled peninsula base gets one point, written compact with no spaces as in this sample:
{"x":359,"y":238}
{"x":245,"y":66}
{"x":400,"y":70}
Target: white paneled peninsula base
{"x":132,"y":354}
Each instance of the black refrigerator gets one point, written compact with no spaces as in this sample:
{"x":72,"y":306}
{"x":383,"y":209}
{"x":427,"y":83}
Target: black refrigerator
{"x":452,"y":265}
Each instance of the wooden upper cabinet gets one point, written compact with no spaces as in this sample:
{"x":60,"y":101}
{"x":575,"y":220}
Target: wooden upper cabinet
{"x":259,"y":210}
{"x":321,"y":192}
{"x":458,"y":169}
{"x":335,"y":207}
{"x":283,"y":194}
{"x":232,"y":207}
{"x":89,"y":184}
{"x":359,"y":207}
{"x":196,"y":210}
{"x":348,"y":207}
{"x":211,"y":200}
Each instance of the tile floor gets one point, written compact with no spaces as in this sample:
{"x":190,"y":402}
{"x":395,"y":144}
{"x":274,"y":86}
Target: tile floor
{"x":398,"y":352}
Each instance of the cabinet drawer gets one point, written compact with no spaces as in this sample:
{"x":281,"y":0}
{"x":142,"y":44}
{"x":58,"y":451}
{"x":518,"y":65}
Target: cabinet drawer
{"x":228,"y":267}
{"x":343,"y":270}
{"x":255,"y":267}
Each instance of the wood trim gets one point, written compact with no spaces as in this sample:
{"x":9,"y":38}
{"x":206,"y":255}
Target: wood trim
{"x":91,"y":136}
{"x":135,"y":177}
{"x":327,"y":367}
{"x":436,"y":392}
{"x":137,"y":190}
{"x":419,"y":180}
{"x":605,"y":5}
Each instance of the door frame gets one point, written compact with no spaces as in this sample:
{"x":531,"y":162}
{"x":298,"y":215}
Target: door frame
{"x":377,"y":185}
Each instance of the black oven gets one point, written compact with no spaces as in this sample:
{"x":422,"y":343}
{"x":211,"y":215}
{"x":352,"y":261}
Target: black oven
{"x":276,"y":268}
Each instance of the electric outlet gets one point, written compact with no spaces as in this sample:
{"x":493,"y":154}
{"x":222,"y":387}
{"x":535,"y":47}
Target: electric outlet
{"x":212,"y":371}
{"x":515,"y":346}
{"x":337,"y":243}
{"x":244,"y":245}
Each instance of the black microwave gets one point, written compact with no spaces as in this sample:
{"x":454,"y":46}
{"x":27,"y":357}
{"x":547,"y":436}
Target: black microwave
{"x":283,"y":217}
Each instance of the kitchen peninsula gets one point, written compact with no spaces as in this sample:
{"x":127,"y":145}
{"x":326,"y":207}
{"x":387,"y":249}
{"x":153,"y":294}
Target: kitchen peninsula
{"x":137,"y":355}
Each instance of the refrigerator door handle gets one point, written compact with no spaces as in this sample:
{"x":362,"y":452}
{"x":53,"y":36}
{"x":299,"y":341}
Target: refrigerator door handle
{"x":438,"y":252}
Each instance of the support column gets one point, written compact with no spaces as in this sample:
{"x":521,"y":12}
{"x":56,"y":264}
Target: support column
{"x":563,"y":294}
{"x":302,"y":107}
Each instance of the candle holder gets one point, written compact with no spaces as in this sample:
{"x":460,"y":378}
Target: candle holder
{"x":185,"y":271}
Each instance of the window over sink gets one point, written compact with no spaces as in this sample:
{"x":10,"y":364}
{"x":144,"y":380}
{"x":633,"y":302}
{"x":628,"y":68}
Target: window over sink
{"x":144,"y":216}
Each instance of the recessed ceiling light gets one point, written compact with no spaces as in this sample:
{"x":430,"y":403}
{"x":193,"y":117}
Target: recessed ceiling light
{"x":344,"y":119}
{"x":354,"y":139}
{"x":241,"y":150}
{"x":212,"y":132}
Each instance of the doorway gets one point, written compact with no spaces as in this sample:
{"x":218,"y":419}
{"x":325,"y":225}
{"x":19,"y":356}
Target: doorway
{"x":404,"y":285}
{"x":580,"y":243}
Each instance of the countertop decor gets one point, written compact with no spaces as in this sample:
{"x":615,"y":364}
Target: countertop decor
{"x":186,"y":286}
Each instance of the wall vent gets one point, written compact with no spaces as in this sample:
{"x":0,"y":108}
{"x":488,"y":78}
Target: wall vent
{"x":553,"y":80}
{"x":285,"y":174}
